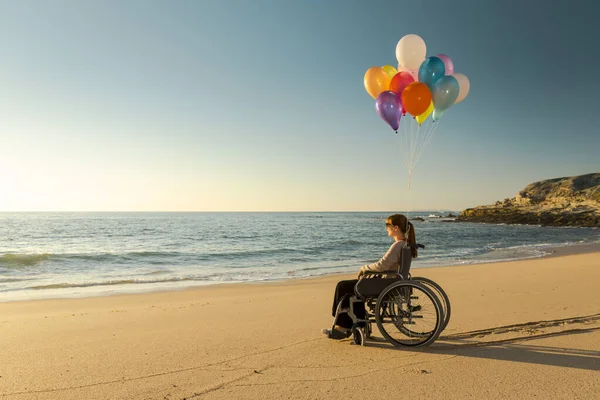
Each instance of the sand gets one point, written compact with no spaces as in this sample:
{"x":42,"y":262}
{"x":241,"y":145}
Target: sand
{"x":519,"y":330}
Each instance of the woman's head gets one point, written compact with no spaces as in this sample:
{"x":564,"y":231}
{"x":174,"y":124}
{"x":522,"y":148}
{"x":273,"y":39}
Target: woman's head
{"x":398,"y":226}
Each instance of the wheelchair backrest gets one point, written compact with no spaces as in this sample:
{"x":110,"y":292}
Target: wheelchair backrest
{"x":405,"y":261}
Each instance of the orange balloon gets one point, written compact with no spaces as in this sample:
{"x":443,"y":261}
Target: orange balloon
{"x":377,"y":81}
{"x":416,"y":98}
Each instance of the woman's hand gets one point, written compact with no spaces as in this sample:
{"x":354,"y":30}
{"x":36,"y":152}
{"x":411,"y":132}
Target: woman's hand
{"x":360,"y":274}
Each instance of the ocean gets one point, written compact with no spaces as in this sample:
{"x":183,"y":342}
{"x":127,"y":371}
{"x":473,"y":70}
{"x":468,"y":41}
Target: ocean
{"x":55,"y":255}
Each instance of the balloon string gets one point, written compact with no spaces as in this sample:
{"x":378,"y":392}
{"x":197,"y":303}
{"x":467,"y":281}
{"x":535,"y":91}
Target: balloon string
{"x":413,"y":140}
{"x":402,"y":139}
{"x":434,"y":126}
{"x":404,"y":143}
{"x":416,"y":143}
{"x":413,"y":151}
{"x":425,"y":127}
{"x":426,"y":136}
{"x":409,"y":144}
{"x":408,"y":205}
{"x":413,"y":129}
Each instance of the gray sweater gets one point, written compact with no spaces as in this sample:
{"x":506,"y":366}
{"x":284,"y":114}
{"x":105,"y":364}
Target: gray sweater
{"x":389,"y":262}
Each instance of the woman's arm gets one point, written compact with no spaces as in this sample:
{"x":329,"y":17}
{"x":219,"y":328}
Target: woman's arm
{"x":389,"y":262}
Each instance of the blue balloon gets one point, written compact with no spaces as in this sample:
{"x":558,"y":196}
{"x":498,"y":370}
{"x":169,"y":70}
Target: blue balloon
{"x":431,"y":70}
{"x":444,"y":93}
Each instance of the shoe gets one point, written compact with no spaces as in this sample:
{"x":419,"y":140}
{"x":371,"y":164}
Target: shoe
{"x":336,"y":333}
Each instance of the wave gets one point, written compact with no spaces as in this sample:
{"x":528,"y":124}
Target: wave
{"x":11,"y":280}
{"x":19,"y":260}
{"x":240,"y":236}
{"x":314,"y":250}
{"x":12,"y":261}
{"x":157,"y":272}
{"x":327,"y":267}
{"x":66,"y":285}
{"x":15,"y":260}
{"x":228,"y":255}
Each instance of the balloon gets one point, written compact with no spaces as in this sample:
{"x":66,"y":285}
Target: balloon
{"x":400,"y":81}
{"x":411,"y":51}
{"x":389,"y":108}
{"x":444,"y":93}
{"x":421,"y":118}
{"x":413,"y":72}
{"x":391,"y":71}
{"x":437,"y":114}
{"x":464,"y":85}
{"x":416,"y":98}
{"x":376,"y":81}
{"x":431,"y":70}
{"x":448,"y":64}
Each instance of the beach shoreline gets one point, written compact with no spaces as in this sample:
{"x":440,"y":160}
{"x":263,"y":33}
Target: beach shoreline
{"x":551,"y":251}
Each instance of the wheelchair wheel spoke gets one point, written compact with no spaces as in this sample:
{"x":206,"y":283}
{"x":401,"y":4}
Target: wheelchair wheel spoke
{"x":408,"y":314}
{"x":440,"y":293}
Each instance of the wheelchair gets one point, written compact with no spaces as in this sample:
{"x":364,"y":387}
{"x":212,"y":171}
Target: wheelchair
{"x":409,"y":311}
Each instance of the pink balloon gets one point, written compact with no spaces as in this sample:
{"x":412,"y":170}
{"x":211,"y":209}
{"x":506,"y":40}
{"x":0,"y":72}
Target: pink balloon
{"x":448,"y":64}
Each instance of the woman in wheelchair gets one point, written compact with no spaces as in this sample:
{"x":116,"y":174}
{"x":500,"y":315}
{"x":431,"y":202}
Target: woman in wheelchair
{"x":402,"y":231}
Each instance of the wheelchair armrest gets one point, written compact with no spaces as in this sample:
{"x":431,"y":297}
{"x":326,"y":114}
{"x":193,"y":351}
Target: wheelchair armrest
{"x":375,"y":274}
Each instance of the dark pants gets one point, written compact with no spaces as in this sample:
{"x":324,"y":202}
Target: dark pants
{"x":342,"y":289}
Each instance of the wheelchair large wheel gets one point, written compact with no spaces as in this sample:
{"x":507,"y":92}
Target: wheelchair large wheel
{"x":437,"y":289}
{"x":409,"y":314}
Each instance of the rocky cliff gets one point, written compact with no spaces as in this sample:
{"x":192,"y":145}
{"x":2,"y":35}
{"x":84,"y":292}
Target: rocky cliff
{"x":571,"y":201}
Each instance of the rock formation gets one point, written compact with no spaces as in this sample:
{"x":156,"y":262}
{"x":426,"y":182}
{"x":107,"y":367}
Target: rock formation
{"x":570,"y":201}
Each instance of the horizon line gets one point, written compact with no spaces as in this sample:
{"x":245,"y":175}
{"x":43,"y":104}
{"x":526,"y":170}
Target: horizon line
{"x":226,"y":211}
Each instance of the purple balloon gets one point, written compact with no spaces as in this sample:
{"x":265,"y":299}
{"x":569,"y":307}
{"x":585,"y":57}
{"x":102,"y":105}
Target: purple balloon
{"x":447,"y":63}
{"x":389,"y":108}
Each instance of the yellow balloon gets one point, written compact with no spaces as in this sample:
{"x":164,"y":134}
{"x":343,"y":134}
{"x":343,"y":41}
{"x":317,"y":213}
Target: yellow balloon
{"x":390,"y":70}
{"x":376,"y":81}
{"x":421,"y":118}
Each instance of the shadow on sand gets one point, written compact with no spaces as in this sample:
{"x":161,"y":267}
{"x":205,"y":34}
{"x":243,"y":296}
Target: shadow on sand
{"x":470,"y":344}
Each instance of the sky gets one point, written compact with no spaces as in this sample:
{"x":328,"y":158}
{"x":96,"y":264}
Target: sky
{"x":260,"y":105}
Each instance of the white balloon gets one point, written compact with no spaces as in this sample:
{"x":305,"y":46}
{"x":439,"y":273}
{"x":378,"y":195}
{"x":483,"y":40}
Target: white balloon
{"x":463,"y":87}
{"x":411,"y":51}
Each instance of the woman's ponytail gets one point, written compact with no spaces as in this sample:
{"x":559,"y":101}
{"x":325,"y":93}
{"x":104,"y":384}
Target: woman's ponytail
{"x":407,"y":229}
{"x":412,"y":239}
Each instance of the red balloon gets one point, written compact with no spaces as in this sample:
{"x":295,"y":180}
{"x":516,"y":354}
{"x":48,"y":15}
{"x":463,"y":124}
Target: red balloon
{"x":400,"y":81}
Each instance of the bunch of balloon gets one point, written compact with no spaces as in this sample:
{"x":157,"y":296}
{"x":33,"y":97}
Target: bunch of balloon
{"x":422,"y":87}
{"x":419,"y":86}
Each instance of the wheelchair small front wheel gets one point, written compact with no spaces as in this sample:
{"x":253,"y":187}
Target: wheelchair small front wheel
{"x":409,"y":314}
{"x":358,"y":336}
